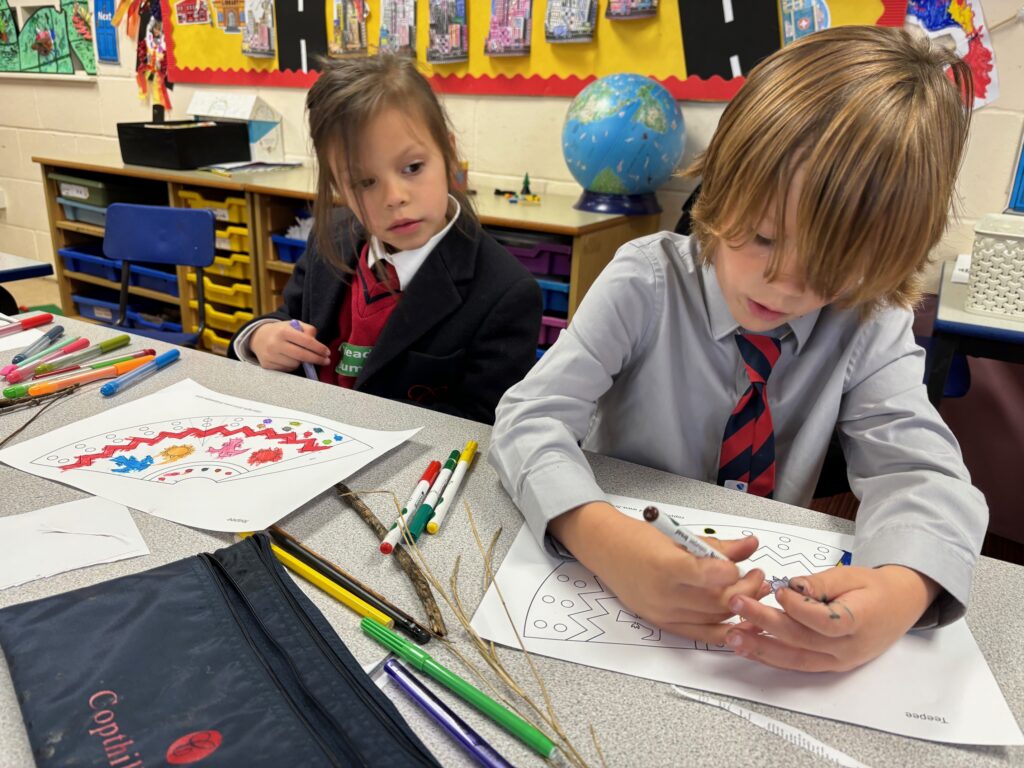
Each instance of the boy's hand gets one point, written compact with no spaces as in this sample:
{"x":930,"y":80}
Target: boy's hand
{"x":833,"y":621}
{"x":280,"y":347}
{"x":654,"y":577}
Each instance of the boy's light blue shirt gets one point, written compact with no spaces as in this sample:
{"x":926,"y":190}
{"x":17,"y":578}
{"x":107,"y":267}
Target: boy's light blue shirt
{"x":648,"y":372}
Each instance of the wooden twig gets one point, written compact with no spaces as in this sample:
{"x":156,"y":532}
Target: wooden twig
{"x":405,"y":561}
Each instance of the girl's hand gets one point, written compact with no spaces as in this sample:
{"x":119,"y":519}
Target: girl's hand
{"x":663,"y":583}
{"x":280,"y":347}
{"x":833,"y":621}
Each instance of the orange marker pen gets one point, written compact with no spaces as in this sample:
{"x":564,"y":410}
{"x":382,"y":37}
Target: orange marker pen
{"x":107,"y":372}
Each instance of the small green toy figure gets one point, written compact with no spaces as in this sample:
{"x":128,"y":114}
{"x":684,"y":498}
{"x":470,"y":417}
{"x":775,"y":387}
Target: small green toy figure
{"x":526,"y":186}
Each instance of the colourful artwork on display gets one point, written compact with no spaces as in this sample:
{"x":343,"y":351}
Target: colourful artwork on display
{"x":51,"y":40}
{"x":696,"y":50}
{"x":570,"y":21}
{"x":192,"y":12}
{"x":348,"y":30}
{"x":449,"y":32}
{"x":398,"y":26}
{"x":963,"y":23}
{"x":258,"y":37}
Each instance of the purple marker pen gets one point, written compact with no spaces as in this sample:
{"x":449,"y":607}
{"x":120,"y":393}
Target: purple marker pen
{"x":473,"y":742}
{"x":307,"y":367}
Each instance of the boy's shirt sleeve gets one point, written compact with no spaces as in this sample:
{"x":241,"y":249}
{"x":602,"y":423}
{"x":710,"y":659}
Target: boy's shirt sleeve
{"x":918,"y":507}
{"x":541,"y":421}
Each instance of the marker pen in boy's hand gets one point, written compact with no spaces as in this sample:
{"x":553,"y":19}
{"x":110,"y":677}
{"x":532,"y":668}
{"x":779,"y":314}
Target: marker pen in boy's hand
{"x":307,"y":367}
{"x":115,"y":386}
{"x":692,"y":543}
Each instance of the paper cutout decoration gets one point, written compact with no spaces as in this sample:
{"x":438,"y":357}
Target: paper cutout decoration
{"x":230,"y":15}
{"x":510,"y":28}
{"x":570,"y":21}
{"x":398,"y":26}
{"x":348,"y":33}
{"x":623,"y":10}
{"x":803,"y":17}
{"x":151,"y":55}
{"x":449,"y":32}
{"x":301,"y":36}
{"x":106,"y":32}
{"x":258,"y":37}
{"x":191,"y":12}
{"x":964,"y":22}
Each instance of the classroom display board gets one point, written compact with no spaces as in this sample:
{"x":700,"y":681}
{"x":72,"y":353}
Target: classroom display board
{"x":932,"y":685}
{"x":46,"y":39}
{"x":698,"y":50}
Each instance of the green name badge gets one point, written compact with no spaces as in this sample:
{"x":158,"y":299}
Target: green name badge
{"x":353,"y":358}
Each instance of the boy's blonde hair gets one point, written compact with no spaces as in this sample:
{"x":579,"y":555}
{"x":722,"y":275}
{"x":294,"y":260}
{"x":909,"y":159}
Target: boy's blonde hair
{"x":877,"y":125}
{"x":347,"y":96}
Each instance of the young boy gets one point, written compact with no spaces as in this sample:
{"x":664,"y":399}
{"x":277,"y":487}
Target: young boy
{"x":731,"y":357}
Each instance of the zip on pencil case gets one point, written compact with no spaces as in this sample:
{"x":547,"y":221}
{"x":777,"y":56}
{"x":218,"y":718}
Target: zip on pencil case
{"x":218,"y":656}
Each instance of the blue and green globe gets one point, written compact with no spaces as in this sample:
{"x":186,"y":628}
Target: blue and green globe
{"x":622,"y":139}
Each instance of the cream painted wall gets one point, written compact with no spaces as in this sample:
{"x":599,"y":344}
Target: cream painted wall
{"x":501,"y":137}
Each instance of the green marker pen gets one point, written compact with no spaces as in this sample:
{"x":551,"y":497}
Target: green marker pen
{"x":426,"y":511}
{"x":423,"y":661}
{"x":88,"y":354}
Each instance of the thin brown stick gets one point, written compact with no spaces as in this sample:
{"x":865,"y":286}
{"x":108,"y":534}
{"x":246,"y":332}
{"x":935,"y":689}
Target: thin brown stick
{"x":412,"y":570}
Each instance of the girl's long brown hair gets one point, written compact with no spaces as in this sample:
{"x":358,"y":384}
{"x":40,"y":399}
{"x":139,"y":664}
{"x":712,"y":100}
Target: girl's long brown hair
{"x":876,"y":118}
{"x":347,"y":96}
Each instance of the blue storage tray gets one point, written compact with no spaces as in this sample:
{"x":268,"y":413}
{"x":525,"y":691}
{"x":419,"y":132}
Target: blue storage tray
{"x":88,"y":214}
{"x":95,"y":308}
{"x":153,"y":279}
{"x":289,"y":250}
{"x":139,"y":319}
{"x":556,"y":295}
{"x":89,"y":260}
{"x":104,"y":308}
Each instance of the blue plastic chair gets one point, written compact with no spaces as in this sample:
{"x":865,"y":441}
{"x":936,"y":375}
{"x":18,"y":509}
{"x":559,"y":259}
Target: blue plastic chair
{"x":161,"y":235}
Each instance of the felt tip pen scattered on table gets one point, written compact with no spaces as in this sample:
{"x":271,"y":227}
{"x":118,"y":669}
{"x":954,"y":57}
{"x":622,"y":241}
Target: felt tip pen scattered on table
{"x":42,"y":356}
{"x":95,"y":364}
{"x":309,"y":368}
{"x":108,"y":345}
{"x":418,"y":522}
{"x":403,"y":622}
{"x":113,"y":387}
{"x":42,"y":342}
{"x":17,"y":326}
{"x":25,"y":370}
{"x":472,"y":741}
{"x":465,"y":459}
{"x":419,"y":493}
{"x":688,"y":540}
{"x":49,"y":386}
{"x":424,"y":662}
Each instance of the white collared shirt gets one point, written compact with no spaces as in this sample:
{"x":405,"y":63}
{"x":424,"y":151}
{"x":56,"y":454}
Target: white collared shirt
{"x":408,"y":263}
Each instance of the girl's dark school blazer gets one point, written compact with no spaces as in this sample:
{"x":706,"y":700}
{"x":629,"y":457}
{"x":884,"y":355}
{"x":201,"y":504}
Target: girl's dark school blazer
{"x":464,"y":331}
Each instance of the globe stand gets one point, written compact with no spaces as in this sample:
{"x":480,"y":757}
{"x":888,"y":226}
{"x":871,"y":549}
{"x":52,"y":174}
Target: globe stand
{"x":628,"y":205}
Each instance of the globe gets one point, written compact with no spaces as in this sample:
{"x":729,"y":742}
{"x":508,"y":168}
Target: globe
{"x":622,"y":139}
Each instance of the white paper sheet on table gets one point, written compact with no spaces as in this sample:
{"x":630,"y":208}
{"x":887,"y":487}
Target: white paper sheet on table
{"x":66,"y":537}
{"x":199,"y":458}
{"x":17,"y":341}
{"x":931,"y":685}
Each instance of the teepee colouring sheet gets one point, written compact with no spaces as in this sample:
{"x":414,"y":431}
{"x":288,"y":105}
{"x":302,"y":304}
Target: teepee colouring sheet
{"x":200,"y":458}
{"x":932,"y":685}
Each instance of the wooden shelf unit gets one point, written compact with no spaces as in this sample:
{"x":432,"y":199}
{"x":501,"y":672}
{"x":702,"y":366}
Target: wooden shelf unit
{"x":273,"y":200}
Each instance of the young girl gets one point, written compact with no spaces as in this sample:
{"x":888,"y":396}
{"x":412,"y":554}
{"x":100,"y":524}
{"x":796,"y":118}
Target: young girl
{"x":731,"y":357}
{"x":402,"y":294}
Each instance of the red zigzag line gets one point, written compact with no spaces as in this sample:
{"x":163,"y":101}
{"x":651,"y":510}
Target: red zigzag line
{"x":287,"y":438}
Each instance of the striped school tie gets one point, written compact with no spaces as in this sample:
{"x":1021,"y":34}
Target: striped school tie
{"x":747,"y":460}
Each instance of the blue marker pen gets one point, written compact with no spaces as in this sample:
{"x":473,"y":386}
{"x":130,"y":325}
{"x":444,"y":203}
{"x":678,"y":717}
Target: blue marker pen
{"x":115,"y":386}
{"x":307,"y":367}
{"x":41,"y":343}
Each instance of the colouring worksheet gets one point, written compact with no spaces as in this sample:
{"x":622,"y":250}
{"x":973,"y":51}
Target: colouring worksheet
{"x":203,"y":459}
{"x":931,"y":685}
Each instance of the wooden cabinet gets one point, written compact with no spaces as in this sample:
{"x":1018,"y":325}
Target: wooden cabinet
{"x":251,"y":270}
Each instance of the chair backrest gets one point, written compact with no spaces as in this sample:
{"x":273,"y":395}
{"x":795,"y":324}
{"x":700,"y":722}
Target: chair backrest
{"x":159,"y":234}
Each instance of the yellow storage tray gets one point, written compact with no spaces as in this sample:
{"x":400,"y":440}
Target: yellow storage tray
{"x":231,"y":209}
{"x":237,"y":265}
{"x":216,"y":344}
{"x":233,"y":239}
{"x":229,"y":322}
{"x":234,"y":295}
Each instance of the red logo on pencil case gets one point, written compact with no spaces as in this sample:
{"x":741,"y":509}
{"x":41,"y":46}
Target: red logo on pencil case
{"x":421,"y":394}
{"x":193,"y":747}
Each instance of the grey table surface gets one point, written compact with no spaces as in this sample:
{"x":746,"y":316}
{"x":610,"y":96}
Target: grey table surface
{"x":637,"y":721}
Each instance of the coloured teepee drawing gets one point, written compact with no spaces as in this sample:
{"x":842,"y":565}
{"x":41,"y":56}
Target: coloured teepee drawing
{"x":203,"y":459}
